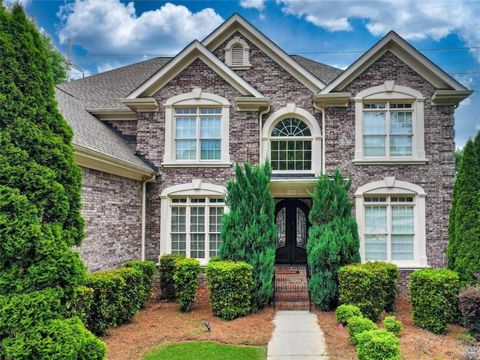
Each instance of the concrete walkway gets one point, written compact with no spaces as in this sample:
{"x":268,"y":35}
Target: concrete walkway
{"x":296,"y":336}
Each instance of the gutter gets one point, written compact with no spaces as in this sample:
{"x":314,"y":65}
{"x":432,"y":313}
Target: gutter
{"x":322,"y":110}
{"x":260,"y":138}
{"x":144,"y":213}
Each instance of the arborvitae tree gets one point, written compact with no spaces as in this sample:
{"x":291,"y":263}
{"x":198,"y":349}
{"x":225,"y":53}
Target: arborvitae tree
{"x":39,"y":206}
{"x":332,"y":238}
{"x":464,"y":229}
{"x":248,"y":229}
{"x":56,"y":61}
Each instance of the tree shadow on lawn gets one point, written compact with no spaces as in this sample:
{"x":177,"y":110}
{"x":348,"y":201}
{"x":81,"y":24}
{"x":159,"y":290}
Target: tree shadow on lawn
{"x":162,"y":322}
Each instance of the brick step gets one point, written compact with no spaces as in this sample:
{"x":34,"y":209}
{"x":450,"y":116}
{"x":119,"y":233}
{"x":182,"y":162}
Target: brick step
{"x":291,"y":287}
{"x":291,"y":296}
{"x":291,"y":281}
{"x":292,"y":305}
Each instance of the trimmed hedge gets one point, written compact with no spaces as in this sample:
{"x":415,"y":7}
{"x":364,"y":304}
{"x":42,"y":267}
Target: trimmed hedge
{"x":434,"y":297}
{"x":166,"y":270}
{"x":185,"y":278}
{"x":363,"y":285}
{"x":230,"y":287}
{"x":357,"y":325}
{"x":390,"y":285}
{"x":391,"y":324}
{"x":377,"y":345}
{"x":148,"y":270}
{"x":470,"y":307}
{"x":345,"y":312}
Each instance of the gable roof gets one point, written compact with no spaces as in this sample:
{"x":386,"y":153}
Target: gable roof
{"x":238,"y":23}
{"x":407,"y":53}
{"x":192,"y":52}
{"x":325,"y":73}
{"x":92,"y":135}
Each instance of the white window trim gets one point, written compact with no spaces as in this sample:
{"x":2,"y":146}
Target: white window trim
{"x":390,"y":186}
{"x":390,"y":92}
{"x":196,"y":188}
{"x":235,"y":41}
{"x":196,"y":98}
{"x":292,"y":111}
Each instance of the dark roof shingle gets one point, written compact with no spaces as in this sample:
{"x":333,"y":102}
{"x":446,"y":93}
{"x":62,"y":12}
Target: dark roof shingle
{"x":325,"y":73}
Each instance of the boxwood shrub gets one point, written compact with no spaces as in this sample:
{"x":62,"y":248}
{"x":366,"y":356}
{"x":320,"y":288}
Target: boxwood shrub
{"x":470,"y":308}
{"x":132,"y":296}
{"x":391,"y":324}
{"x":357,"y":325}
{"x":363,"y":285}
{"x":345,"y":312}
{"x":377,"y":345}
{"x":185,"y":278}
{"x":434,"y":297}
{"x":230,"y":287}
{"x":390,"y":285}
{"x":148,"y":270}
{"x":166,"y":270}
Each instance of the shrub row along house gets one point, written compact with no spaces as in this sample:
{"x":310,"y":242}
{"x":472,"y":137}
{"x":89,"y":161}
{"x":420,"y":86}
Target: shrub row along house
{"x":158,"y":139}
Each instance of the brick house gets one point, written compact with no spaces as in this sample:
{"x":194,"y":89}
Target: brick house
{"x":158,"y":139}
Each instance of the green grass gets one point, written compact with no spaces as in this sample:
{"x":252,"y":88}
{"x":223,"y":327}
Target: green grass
{"x":204,"y":350}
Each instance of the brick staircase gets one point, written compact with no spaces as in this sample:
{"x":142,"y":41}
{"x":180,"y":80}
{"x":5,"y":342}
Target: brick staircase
{"x":291,"y":292}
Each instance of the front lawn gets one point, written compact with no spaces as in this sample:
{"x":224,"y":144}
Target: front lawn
{"x":204,"y":350}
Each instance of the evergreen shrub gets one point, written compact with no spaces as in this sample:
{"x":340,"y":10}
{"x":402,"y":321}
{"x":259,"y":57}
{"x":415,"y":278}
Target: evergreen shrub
{"x":148,"y":270}
{"x":358,"y":324}
{"x":391,"y":324}
{"x":185,"y":278}
{"x":363,"y":285}
{"x":248,"y":229}
{"x":230,"y":287}
{"x":391,"y":283}
{"x":345,"y":312}
{"x":378,"y":345}
{"x":434,"y":297}
{"x":469,"y":300}
{"x":166,"y":271}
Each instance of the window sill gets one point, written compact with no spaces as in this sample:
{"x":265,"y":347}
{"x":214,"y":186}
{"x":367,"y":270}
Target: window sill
{"x":196,"y":164}
{"x":391,"y":162}
{"x":406,"y":265}
{"x":240,"y":67}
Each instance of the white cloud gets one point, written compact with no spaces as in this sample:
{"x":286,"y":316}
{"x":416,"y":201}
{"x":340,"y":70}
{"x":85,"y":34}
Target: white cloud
{"x":252,"y":4}
{"x":24,"y":3}
{"x":412,"y":19}
{"x":75,"y":73}
{"x":112,"y":27}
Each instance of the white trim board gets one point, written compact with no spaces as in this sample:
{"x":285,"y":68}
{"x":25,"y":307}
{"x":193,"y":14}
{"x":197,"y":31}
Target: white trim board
{"x":237,"y":23}
{"x":175,"y":66}
{"x":404,"y":51}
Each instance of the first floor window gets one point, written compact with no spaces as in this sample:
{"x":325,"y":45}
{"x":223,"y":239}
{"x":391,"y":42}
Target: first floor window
{"x":389,"y":228}
{"x":196,"y":226}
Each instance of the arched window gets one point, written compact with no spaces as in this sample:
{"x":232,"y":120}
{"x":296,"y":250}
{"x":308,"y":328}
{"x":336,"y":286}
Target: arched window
{"x":237,"y":54}
{"x":391,"y":222}
{"x":291,"y":140}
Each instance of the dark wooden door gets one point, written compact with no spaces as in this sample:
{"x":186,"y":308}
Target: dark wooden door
{"x":291,"y":218}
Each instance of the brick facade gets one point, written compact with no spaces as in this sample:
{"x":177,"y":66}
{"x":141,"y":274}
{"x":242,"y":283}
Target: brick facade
{"x":112,"y":213}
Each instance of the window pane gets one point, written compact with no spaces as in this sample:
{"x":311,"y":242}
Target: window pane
{"x":210,"y":111}
{"x":374,"y":106}
{"x":402,"y":247}
{"x":375,"y":247}
{"x":374,"y":145}
{"x":197,"y":230}
{"x":197,"y":246}
{"x":210,"y":149}
{"x":179,"y":244}
{"x":374,"y":123}
{"x":185,"y":128}
{"x":210,"y":128}
{"x":401,"y":122}
{"x":400,"y":145}
{"x":178,"y":219}
{"x":184,"y":111}
{"x":216,"y":214}
{"x":186,"y":149}
{"x":402,"y":220}
{"x":215,"y":243}
{"x":291,"y":155}
{"x":197,"y":219}
{"x":291,"y":127}
{"x":375,"y":220}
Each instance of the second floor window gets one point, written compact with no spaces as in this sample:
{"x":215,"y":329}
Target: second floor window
{"x":198,"y":133}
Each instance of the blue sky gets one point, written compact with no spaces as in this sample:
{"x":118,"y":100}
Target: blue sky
{"x":111,"y":33}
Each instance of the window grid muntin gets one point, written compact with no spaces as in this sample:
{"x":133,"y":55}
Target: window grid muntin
{"x":205,"y":229}
{"x":206,"y":148}
{"x":389,"y":151}
{"x":390,"y":202}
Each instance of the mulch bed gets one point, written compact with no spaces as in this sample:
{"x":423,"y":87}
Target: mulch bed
{"x":415,"y":343}
{"x":162,"y":322}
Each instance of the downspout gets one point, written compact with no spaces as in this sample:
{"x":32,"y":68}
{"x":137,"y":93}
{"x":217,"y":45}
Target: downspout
{"x":144,"y":213}
{"x":322,"y":110}
{"x":260,"y":117}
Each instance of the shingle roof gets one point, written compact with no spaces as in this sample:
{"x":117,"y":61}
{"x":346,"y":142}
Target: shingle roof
{"x":325,"y":73}
{"x":91,"y":133}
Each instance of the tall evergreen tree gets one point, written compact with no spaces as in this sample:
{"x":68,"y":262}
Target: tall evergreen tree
{"x":39,"y":206}
{"x":248,"y":229}
{"x":332,"y":238}
{"x":464,"y":223}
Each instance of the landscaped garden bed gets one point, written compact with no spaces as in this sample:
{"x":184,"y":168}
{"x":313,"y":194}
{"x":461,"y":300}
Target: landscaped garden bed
{"x":161,"y":323}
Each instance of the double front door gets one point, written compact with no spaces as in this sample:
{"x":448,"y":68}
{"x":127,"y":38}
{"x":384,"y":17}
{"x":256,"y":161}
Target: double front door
{"x":291,"y":218}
